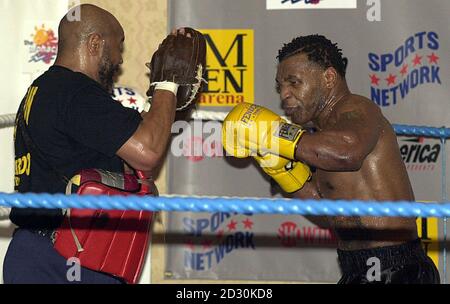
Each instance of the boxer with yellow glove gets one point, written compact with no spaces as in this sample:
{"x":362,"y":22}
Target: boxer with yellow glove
{"x":247,"y":131}
{"x":254,"y":129}
{"x":290,"y":175}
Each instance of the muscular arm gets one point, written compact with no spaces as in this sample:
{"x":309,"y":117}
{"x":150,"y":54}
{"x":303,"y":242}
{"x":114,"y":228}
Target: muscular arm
{"x":146,"y":147}
{"x":343,"y":145}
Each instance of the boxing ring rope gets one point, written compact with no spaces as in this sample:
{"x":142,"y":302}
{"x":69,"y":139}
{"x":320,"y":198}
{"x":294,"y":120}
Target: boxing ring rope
{"x":228,"y":204}
{"x":250,"y":205}
{"x":7,"y":120}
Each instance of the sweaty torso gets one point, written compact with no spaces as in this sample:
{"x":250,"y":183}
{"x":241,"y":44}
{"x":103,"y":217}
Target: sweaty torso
{"x":382,"y":177}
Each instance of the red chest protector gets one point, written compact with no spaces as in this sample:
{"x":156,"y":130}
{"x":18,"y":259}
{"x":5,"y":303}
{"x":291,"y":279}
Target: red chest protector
{"x":111,"y":241}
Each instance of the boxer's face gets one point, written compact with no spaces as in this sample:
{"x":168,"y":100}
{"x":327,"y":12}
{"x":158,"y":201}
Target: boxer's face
{"x":110,"y":61}
{"x":300,"y":84}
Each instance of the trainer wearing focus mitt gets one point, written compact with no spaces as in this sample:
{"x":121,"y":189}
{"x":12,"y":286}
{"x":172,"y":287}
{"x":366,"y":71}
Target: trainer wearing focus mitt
{"x":252,"y":130}
{"x":178,"y":66}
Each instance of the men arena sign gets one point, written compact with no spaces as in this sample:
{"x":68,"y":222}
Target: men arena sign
{"x":229,"y":69}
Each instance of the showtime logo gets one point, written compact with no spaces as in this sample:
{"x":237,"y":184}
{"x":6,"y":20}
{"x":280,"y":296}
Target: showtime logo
{"x":290,"y":235}
{"x":310,"y":4}
{"x":420,"y":154}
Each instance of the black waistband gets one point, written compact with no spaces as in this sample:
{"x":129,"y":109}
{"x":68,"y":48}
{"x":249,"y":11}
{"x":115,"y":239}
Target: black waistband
{"x":358,"y":260}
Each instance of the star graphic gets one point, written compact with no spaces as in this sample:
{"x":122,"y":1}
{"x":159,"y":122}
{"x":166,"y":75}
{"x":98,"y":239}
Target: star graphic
{"x":232,"y":225}
{"x":404,"y":70}
{"x":207,"y":244}
{"x":190,"y":244}
{"x":132,"y":100}
{"x":433,"y":58}
{"x":391,"y":79}
{"x":374,"y":79}
{"x":247,"y":223}
{"x":219,"y":234}
{"x":417,"y":60}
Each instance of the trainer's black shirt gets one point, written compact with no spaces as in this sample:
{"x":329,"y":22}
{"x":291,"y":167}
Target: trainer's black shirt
{"x":76,"y":124}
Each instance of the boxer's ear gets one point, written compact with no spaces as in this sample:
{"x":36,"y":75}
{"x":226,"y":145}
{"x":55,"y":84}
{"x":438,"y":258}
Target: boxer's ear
{"x":95,"y":44}
{"x":330,"y":77}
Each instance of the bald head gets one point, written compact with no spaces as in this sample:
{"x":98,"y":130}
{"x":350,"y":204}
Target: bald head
{"x":92,"y":45}
{"x":94,"y":20}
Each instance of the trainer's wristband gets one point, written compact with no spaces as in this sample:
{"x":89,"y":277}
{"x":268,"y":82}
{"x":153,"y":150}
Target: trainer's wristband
{"x":167,"y":86}
{"x":147,"y":105}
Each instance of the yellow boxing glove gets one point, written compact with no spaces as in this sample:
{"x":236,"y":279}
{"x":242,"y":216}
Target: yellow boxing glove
{"x":250,"y":129}
{"x":290,"y":175}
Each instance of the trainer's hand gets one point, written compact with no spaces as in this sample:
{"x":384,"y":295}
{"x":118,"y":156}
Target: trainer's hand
{"x":178,"y":66}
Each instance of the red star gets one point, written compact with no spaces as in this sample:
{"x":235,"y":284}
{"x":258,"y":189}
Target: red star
{"x":247,"y":223}
{"x":391,"y":79}
{"x":219,"y":234}
{"x":404,"y":70}
{"x":132,"y":100}
{"x":206,"y":244}
{"x":374,"y":79}
{"x":417,"y":60}
{"x":433,"y":58}
{"x":232,"y":225}
{"x":189,"y":243}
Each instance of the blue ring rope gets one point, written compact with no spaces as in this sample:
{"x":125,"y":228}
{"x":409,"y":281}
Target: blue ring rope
{"x":220,"y":204}
{"x":409,"y":130}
